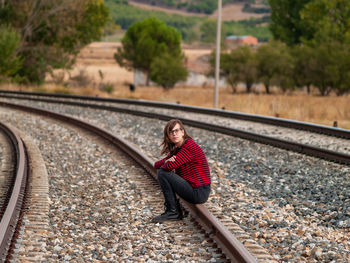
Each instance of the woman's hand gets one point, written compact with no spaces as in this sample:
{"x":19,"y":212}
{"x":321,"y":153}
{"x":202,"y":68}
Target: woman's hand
{"x":171,"y":159}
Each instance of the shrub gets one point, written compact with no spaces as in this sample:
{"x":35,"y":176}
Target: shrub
{"x":10,"y":62}
{"x":107,"y":87}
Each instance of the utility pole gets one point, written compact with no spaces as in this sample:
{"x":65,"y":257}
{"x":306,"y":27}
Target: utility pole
{"x":217,"y":58}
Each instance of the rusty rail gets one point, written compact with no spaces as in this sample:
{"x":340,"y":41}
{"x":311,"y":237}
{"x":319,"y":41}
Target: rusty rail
{"x":323,"y":129}
{"x":233,"y":249}
{"x":11,"y":215}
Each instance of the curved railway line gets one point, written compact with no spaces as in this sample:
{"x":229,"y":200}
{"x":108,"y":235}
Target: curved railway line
{"x":312,"y":252}
{"x":15,"y":183}
{"x":304,"y":148}
{"x":338,"y":132}
{"x":212,"y":228}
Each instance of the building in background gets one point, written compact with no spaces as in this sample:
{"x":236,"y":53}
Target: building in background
{"x":240,"y":40}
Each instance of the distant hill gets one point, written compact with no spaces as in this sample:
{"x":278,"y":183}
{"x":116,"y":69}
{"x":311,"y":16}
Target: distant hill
{"x":240,"y":10}
{"x":194,"y":27}
{"x":232,"y":9}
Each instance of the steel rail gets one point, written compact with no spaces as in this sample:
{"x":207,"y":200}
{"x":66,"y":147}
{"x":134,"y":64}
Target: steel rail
{"x":280,"y":143}
{"x":322,"y":129}
{"x":233,"y":249}
{"x":10,"y":218}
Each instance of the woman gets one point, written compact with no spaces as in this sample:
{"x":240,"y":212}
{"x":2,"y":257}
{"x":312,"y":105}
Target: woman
{"x":184,"y":171}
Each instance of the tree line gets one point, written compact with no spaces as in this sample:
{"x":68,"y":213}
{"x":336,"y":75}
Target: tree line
{"x":324,"y":66}
{"x":37,"y":36}
{"x":311,"y":48}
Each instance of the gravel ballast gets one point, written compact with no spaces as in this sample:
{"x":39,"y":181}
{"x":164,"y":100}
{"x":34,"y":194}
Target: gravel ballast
{"x":297,"y":207}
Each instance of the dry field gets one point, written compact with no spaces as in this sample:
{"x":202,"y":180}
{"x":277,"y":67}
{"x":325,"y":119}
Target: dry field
{"x":99,"y":57}
{"x":231,"y":12}
{"x":297,"y":105}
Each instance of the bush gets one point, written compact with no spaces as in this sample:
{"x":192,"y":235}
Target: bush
{"x":107,"y":87}
{"x":10,"y":62}
{"x":82,"y":79}
{"x":166,"y":70}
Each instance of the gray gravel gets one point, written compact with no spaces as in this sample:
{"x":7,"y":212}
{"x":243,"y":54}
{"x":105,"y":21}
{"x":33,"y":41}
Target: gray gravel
{"x":97,"y":214}
{"x":319,"y":140}
{"x":297,"y":207}
{"x":299,"y":136}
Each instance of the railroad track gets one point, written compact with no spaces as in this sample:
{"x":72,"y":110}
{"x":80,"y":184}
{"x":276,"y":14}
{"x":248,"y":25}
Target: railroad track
{"x":211,"y":227}
{"x":312,"y":252}
{"x":322,"y":129}
{"x":15,"y":183}
{"x":340,"y":156}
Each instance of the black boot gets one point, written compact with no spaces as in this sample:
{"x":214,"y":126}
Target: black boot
{"x":171,"y":213}
{"x":178,"y":207}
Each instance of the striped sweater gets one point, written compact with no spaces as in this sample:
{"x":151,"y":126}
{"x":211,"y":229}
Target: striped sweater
{"x":190,"y":163}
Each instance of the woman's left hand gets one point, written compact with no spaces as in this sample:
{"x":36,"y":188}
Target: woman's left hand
{"x":171,"y":159}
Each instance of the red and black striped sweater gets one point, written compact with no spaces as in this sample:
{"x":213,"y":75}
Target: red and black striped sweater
{"x":190,"y":163}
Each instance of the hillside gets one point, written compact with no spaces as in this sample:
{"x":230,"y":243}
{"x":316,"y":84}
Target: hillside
{"x":201,"y":7}
{"x":230,"y":12}
{"x":194,"y":27}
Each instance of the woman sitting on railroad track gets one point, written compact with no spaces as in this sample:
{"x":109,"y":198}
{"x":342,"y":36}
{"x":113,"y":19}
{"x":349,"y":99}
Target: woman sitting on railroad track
{"x":184,"y":171}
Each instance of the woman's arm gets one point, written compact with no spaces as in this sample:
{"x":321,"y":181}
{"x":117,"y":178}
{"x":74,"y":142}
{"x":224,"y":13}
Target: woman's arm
{"x":182,"y":157}
{"x":159,"y":163}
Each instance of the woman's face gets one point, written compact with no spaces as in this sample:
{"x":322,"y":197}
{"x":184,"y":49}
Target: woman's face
{"x":176,"y":135}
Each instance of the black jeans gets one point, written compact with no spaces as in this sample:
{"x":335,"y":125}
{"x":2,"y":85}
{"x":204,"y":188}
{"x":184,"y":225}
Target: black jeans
{"x":172,"y":184}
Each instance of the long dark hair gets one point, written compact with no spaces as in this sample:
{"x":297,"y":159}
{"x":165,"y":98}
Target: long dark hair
{"x":168,"y":145}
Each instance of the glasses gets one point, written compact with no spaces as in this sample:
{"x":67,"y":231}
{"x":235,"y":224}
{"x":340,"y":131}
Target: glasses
{"x":176,"y":131}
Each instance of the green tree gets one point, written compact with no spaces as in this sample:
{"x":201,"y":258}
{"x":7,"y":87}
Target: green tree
{"x":329,"y":67}
{"x":274,"y":65}
{"x":302,"y":55}
{"x":10,"y":61}
{"x":286,"y":23}
{"x":239,"y":66}
{"x":327,"y":19}
{"x":52,"y":32}
{"x":167,"y":70}
{"x":146,"y":40}
{"x":284,"y":77}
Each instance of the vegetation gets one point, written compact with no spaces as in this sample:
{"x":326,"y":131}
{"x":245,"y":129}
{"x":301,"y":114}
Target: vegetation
{"x":312,"y":48}
{"x":258,"y":10}
{"x":327,"y":20}
{"x":192,"y":29}
{"x":237,"y":66}
{"x":147,"y":45}
{"x":252,"y":27}
{"x":50,"y":33}
{"x":286,"y":22}
{"x":167,"y":70}
{"x":125,"y":15}
{"x":324,"y":66}
{"x":302,"y":21}
{"x":324,"y":41}
{"x":10,"y":61}
{"x":195,"y":6}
